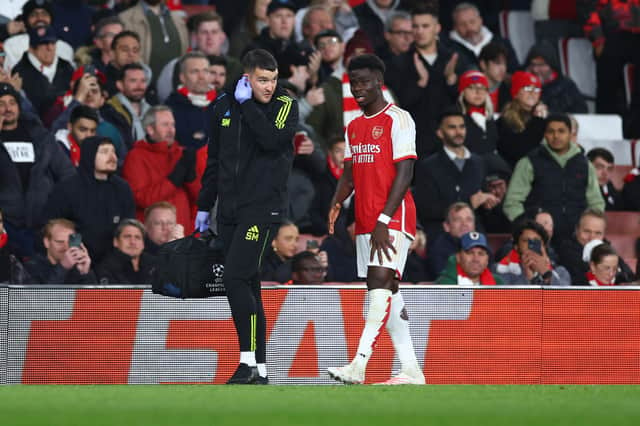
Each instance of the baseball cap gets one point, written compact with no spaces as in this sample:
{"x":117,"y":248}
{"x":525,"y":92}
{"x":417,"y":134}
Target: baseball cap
{"x":281,"y":4}
{"x":41,"y":35}
{"x":474,"y":239}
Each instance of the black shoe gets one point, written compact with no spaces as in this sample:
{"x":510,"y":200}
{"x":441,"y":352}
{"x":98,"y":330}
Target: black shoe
{"x":244,"y":375}
{"x":260,"y":380}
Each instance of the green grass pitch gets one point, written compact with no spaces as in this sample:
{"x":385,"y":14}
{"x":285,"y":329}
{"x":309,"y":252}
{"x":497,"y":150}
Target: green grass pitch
{"x":185,"y":405}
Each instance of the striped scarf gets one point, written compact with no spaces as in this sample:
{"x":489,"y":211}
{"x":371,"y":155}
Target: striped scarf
{"x":510,"y":264}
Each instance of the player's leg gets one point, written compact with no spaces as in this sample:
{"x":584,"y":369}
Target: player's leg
{"x":398,"y":329}
{"x":243,"y":245}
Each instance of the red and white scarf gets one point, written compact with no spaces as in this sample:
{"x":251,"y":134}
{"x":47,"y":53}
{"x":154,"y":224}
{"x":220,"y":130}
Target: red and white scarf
{"x":593,"y":281}
{"x":350,"y":108}
{"x":510,"y":264}
{"x":336,"y":171}
{"x":4,"y":237}
{"x":631,"y":175}
{"x":486,"y":278}
{"x":201,"y":101}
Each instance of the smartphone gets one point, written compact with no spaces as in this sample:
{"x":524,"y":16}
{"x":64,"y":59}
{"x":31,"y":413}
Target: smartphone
{"x":75,"y":240}
{"x":312,"y":244}
{"x":90,"y":69}
{"x":298,"y":138}
{"x":535,"y":246}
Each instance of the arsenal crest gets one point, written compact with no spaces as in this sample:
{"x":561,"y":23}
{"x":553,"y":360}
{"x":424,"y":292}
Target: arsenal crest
{"x":377,"y":132}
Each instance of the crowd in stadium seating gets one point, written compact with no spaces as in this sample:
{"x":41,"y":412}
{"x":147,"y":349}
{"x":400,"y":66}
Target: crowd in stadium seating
{"x":105,"y":110}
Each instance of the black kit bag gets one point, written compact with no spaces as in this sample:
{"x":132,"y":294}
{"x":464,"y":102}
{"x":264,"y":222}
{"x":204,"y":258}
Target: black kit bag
{"x":190,"y":267}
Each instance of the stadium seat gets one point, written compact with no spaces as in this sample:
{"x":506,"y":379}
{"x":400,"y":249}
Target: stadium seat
{"x":629,"y":71}
{"x":194,"y":9}
{"x":577,"y":62}
{"x":619,"y":172}
{"x":497,"y":240}
{"x":599,"y":126}
{"x":624,"y":244}
{"x":517,"y":26}
{"x":623,"y":223}
{"x":621,"y":149}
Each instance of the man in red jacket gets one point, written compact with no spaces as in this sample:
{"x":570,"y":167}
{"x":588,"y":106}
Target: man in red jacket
{"x":159,"y":169}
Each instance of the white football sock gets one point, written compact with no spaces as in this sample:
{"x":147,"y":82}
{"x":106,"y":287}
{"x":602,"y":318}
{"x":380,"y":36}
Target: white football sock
{"x":248,"y":358}
{"x":379,"y":305}
{"x":262,"y":370}
{"x":398,"y":328}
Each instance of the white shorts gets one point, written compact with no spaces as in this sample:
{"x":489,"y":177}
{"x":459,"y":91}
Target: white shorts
{"x":398,"y":259}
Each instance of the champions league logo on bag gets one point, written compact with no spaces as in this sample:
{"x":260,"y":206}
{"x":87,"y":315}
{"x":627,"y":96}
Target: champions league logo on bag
{"x":218,"y":282}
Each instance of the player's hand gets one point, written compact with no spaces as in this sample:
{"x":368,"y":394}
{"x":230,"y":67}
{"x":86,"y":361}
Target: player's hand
{"x":380,"y":243}
{"x":243,"y":90}
{"x":202,"y":221}
{"x":334,"y":212}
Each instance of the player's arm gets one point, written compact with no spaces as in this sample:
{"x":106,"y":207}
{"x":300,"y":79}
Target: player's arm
{"x":380,"y":236}
{"x":343,"y":190}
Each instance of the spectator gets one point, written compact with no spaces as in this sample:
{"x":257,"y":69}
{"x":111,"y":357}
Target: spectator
{"x":325,"y":185}
{"x":494,"y":220}
{"x":450,"y":175}
{"x":46,"y":76}
{"x":73,"y":21}
{"x":424,"y":78}
{"x":163,"y":33}
{"x":521,"y":125}
{"x":159,"y":169}
{"x":160,"y":224}
{"x":591,"y":226}
{"x":471,"y":264}
{"x":5,"y":263}
{"x":309,"y":161}
{"x":125,"y":49}
{"x":469,"y":36}
{"x":372,"y":15}
{"x":398,"y":35}
{"x":415,"y":270}
{"x":331,"y":48}
{"x":307,"y":269}
{"x":534,"y":265}
{"x":631,"y":190}
{"x":277,"y":38}
{"x":557,"y":177}
{"x":102,"y":54}
{"x":209,"y":37}
{"x":35,"y":13}
{"x":193,"y":102}
{"x":218,"y":72}
{"x":128,"y":263}
{"x":475,"y":103}
{"x":276,"y":264}
{"x":344,"y":20}
{"x":33,"y":164}
{"x":127,"y":107}
{"x":64,"y":263}
{"x":255,"y":20}
{"x":316,"y":19}
{"x":612,"y":26}
{"x":95,"y":199}
{"x":559,"y":93}
{"x":82,"y":124}
{"x":493,"y":63}
{"x":603,"y":163}
{"x":603,"y":265}
{"x":459,"y":221}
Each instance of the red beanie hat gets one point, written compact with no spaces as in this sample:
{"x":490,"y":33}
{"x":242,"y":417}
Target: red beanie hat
{"x":521,"y":79}
{"x":472,"y":77}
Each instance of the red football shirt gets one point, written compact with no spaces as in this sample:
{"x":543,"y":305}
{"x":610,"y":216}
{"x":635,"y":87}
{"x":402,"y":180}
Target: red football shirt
{"x":373,"y":145}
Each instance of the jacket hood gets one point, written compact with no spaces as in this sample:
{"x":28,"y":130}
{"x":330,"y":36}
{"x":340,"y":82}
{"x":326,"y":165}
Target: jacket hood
{"x":547,"y":52}
{"x":88,"y":150}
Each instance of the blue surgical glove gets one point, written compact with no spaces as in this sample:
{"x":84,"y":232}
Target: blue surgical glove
{"x":243,"y":90}
{"x":202,"y":221}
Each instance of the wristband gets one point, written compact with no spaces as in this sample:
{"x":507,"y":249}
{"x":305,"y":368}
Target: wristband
{"x":383,"y":218}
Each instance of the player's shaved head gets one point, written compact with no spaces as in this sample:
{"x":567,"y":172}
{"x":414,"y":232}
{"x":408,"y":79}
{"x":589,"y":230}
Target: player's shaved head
{"x":367,"y":61}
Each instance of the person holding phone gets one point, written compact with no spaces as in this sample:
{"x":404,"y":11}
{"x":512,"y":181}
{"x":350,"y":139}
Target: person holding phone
{"x":67,"y":260}
{"x":533,"y":265}
{"x":249,"y":162}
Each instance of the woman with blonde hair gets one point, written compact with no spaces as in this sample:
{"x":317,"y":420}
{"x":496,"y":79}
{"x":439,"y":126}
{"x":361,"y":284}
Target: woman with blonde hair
{"x":475,"y":103}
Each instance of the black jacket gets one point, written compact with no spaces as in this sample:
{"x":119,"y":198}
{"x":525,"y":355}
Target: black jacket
{"x":22,"y":207}
{"x":512,"y":146}
{"x":96,"y":206}
{"x":443,"y":246}
{"x":250,"y":157}
{"x":424,"y":104}
{"x":570,"y":255}
{"x":41,"y":271}
{"x":481,"y":141}
{"x":562,"y":95}
{"x":286,"y":52}
{"x":439,"y":183}
{"x":116,"y":268}
{"x":275,"y":269}
{"x":193,"y":124}
{"x":471,"y":58}
{"x":37,"y":87}
{"x":631,"y":194}
{"x":613,"y":199}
